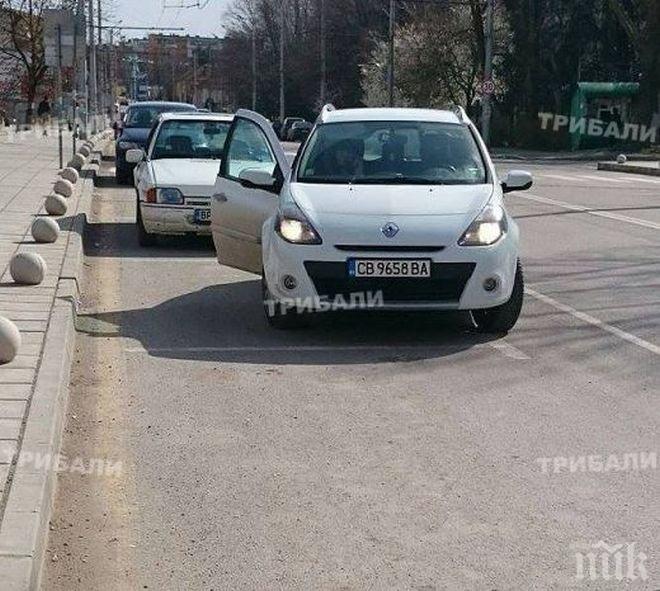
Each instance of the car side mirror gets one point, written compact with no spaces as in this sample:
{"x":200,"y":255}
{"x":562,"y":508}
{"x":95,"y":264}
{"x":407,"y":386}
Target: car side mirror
{"x":257,"y":179}
{"x":135,"y":156}
{"x":517,"y":180}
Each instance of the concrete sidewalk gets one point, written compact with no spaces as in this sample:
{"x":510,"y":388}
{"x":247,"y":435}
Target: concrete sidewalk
{"x":34,"y":386}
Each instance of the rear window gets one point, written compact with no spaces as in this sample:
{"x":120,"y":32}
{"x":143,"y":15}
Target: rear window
{"x":144,"y":117}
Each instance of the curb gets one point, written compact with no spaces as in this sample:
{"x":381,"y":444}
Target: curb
{"x":629,"y":168}
{"x":26,"y":519}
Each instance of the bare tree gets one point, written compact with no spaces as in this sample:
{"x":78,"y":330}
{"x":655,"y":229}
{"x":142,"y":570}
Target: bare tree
{"x":22,"y":43}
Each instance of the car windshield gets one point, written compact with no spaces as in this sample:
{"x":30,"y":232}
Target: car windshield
{"x":392,"y":152}
{"x":144,"y":117}
{"x":191,"y":139}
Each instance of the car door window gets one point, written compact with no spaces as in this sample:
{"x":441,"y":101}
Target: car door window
{"x":248,"y":149}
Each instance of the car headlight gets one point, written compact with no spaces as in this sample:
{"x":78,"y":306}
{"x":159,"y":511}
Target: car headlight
{"x":292,"y":225}
{"x":489,"y":226}
{"x":128,"y":146}
{"x":170,"y":196}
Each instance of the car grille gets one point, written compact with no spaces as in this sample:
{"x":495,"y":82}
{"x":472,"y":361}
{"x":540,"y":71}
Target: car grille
{"x":446,"y":284}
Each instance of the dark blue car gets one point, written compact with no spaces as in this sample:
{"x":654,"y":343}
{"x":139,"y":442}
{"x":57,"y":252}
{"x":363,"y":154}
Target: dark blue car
{"x":135,"y":132}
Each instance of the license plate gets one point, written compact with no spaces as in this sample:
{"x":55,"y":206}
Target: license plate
{"x":202,"y":216}
{"x":419,"y":268}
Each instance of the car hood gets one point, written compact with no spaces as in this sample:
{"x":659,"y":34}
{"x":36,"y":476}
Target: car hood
{"x":193,"y":176}
{"x":426,"y":214}
{"x":135,"y":134}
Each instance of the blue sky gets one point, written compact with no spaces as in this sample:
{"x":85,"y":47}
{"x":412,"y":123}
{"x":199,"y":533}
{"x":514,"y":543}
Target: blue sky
{"x":207,"y":21}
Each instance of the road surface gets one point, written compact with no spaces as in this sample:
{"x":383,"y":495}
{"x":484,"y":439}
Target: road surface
{"x":397,"y":452}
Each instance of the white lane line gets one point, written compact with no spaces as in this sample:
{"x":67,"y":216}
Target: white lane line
{"x":581,"y":208}
{"x":293,"y":348}
{"x":508,"y":350}
{"x":636,"y":179}
{"x":502,"y":347}
{"x":622,"y":334}
{"x":570,"y":179}
{"x":150,"y":260}
{"x":604,"y":179}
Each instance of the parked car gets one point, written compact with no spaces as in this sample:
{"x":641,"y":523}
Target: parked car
{"x":399,"y":209}
{"x":135,"y":129}
{"x":286,"y":126}
{"x":175,"y":176}
{"x":299,"y":131}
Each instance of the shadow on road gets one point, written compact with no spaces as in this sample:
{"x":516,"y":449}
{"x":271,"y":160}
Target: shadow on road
{"x":119,"y":239}
{"x":225,"y":323}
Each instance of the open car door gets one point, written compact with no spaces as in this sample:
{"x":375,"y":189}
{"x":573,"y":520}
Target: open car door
{"x":251,"y":176}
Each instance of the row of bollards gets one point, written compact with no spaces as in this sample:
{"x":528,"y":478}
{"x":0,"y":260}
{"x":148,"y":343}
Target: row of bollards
{"x":29,"y":268}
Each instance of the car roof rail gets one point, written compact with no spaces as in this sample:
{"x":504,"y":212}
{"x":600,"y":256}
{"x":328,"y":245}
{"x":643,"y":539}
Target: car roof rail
{"x":324,"y":111}
{"x":458,"y":111}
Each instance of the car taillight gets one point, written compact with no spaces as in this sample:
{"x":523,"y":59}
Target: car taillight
{"x":152,"y":196}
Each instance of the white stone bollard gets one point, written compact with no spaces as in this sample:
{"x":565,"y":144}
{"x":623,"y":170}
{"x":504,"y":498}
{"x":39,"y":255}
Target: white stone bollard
{"x":56,"y":204}
{"x":64,"y":188}
{"x":10,"y":340}
{"x":27,"y":268}
{"x":85,"y":151}
{"x":77,"y":162}
{"x":70,"y":174}
{"x":621,"y":159}
{"x":45,"y":230}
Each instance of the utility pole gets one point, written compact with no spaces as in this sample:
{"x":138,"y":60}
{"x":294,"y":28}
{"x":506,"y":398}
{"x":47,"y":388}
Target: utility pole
{"x":391,"y":58}
{"x":324,"y":57}
{"x":282,"y":27}
{"x":76,"y":25}
{"x":92,"y":88}
{"x":60,"y":98}
{"x":101,"y":67}
{"x":195,"y":76}
{"x":254,"y":63}
{"x":487,"y":86}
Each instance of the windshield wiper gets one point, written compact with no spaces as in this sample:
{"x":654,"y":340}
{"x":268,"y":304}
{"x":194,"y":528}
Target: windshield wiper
{"x":395,"y":180}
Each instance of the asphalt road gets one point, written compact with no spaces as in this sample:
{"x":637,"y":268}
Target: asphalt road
{"x":396,"y":452}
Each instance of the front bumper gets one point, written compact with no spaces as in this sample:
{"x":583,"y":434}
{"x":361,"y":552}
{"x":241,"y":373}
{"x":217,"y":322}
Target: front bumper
{"x":173,"y":219}
{"x":457,"y":281}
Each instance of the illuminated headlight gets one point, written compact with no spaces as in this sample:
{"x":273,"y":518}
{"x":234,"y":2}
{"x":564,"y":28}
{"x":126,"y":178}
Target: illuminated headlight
{"x":128,"y":146}
{"x":487,"y":229}
{"x":292,"y":225}
{"x":170,"y":196}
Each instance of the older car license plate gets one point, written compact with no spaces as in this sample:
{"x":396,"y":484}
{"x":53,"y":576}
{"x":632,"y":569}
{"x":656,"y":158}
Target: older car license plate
{"x":202,"y":216}
{"x":419,"y":268}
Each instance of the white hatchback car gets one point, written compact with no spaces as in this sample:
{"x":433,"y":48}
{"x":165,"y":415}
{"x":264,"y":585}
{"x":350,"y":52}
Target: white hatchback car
{"x":395,"y":209}
{"x":174,"y":180}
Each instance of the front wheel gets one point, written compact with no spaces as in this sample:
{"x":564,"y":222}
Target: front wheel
{"x":144,"y":237}
{"x":502,"y":319}
{"x":279,"y":316}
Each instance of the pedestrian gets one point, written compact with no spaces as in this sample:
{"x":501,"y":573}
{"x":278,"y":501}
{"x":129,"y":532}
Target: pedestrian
{"x":43,"y":112}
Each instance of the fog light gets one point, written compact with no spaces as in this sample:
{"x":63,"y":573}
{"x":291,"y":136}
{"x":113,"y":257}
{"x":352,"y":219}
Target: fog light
{"x":289,"y":282}
{"x":490,"y":284}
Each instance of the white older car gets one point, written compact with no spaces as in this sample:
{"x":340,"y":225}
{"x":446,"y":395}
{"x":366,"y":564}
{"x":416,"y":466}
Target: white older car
{"x":175,"y":178}
{"x":398,"y":209}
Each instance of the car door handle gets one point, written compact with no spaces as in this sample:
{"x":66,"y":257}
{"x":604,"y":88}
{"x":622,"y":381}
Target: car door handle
{"x":220,"y":197}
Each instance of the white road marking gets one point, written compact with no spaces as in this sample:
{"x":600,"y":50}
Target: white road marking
{"x":622,"y":334}
{"x":505,"y":348}
{"x":570,"y":179}
{"x":639,"y":180}
{"x":581,"y":208}
{"x":604,"y":178}
{"x":508,"y":350}
{"x":191,"y":259}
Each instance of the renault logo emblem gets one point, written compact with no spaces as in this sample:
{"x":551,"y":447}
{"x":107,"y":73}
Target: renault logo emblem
{"x":390,"y":229}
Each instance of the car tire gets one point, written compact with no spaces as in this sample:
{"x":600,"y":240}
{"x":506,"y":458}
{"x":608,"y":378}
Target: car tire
{"x":122,"y":177}
{"x":278,"y":318}
{"x":502,"y":319}
{"x":144,"y":237}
